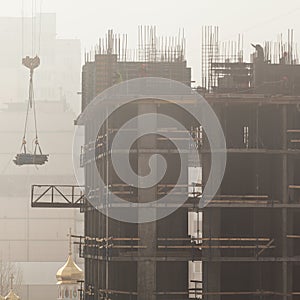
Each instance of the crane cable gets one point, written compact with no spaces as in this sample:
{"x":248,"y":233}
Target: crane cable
{"x":22,"y":29}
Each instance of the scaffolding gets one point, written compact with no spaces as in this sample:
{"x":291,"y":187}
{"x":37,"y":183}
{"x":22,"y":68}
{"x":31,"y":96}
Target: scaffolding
{"x":224,"y":69}
{"x":57,"y":196}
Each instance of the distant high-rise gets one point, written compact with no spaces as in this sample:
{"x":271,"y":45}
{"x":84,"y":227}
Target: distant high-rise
{"x":59,"y":73}
{"x":34,"y":240}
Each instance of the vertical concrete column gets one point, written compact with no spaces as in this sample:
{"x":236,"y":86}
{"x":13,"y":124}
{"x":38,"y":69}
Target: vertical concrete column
{"x":211,"y":228}
{"x":146,"y":268}
{"x":211,"y":270}
{"x":285,"y":200}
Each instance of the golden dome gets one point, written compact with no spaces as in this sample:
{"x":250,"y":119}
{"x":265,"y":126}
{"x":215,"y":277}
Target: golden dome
{"x":12,"y":296}
{"x":69,"y":273}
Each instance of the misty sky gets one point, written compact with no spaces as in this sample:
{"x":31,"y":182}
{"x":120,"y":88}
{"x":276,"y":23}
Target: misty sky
{"x":87,"y":20}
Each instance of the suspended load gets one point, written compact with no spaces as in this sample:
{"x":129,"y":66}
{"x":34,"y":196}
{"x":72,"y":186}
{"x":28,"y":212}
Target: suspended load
{"x":37,"y":157}
{"x":31,"y":159}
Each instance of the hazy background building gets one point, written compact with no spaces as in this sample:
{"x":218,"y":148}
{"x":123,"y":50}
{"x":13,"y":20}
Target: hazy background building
{"x":36,"y":238}
{"x":59,"y":73}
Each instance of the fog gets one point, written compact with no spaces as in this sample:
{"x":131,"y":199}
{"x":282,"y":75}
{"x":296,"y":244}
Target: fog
{"x":69,"y":28}
{"x":88,"y":20}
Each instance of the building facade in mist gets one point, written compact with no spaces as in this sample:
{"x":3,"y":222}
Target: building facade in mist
{"x":32,"y":238}
{"x":252,"y":224}
{"x":140,"y":263}
{"x":59,"y":73}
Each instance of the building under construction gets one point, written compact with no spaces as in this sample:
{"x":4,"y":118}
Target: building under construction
{"x":249,"y":244}
{"x":125,"y":260}
{"x":256,"y":210}
{"x":247,"y":237}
